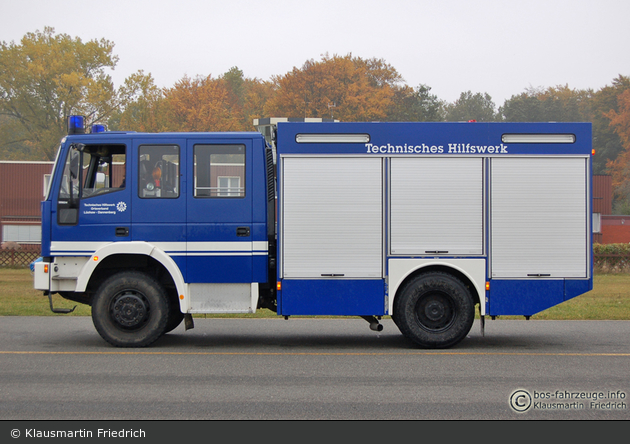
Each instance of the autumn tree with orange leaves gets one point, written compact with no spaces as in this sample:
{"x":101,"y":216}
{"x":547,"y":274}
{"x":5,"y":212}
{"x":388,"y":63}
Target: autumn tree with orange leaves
{"x":250,"y":94}
{"x":344,"y":88}
{"x":37,"y":92}
{"x":46,"y":77}
{"x":145,"y":111}
{"x":620,"y":167}
{"x":201,"y":104}
{"x":227,"y":103}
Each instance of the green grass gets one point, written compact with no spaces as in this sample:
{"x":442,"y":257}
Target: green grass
{"x":19,"y":298}
{"x":609,"y":300}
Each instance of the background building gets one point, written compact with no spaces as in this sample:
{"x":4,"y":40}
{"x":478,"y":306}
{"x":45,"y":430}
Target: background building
{"x":21,"y":191}
{"x":22,"y":188}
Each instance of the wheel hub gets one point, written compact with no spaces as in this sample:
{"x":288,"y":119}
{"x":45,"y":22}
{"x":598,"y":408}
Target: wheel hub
{"x":130,"y":310}
{"x":435,"y":311}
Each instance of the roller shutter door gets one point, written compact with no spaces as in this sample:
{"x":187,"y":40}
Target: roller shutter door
{"x":539,"y":221}
{"x":332,"y":217}
{"x":437,"y":206}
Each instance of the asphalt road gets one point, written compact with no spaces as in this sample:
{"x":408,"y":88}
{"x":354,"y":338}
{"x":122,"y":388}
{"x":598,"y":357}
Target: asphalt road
{"x":58,"y":368}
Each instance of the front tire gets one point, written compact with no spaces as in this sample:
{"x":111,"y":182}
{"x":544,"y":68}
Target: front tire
{"x":130,"y":309}
{"x":434,"y":310}
{"x":175,"y":318}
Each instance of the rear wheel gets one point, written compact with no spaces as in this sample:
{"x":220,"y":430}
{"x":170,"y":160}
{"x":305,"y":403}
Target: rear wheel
{"x":130,"y":309}
{"x":434,"y":310}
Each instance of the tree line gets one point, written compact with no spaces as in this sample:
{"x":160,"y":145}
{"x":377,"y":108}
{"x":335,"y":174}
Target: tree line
{"x":48,"y":76}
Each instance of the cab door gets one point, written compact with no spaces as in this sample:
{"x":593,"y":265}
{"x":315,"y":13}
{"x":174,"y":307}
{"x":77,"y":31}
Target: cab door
{"x":219,"y":211}
{"x":158,"y":200}
{"x":92,"y":198}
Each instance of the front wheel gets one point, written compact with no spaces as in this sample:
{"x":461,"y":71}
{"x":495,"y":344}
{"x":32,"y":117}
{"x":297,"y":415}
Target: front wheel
{"x":130,"y":309}
{"x":434,"y":310}
{"x":175,"y":317}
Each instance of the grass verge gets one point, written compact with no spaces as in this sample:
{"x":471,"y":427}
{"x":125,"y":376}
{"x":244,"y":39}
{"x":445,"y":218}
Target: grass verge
{"x":609,"y":300}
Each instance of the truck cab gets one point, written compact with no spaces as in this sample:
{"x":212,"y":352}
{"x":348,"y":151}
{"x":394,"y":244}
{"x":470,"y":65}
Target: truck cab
{"x":128,"y":213}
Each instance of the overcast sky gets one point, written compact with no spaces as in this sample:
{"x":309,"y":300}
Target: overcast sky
{"x":495,"y":47}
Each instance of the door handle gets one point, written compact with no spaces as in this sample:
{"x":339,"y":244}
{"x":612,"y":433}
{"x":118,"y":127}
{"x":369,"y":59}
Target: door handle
{"x":242,"y":231}
{"x":122,"y":231}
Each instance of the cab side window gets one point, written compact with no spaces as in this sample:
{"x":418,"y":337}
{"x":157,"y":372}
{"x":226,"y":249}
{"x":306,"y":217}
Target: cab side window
{"x":158,"y":171}
{"x":89,"y":170}
{"x":103,"y":169}
{"x":219,"y":171}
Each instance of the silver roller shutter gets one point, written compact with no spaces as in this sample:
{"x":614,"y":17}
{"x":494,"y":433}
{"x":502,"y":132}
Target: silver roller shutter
{"x":539,"y":223}
{"x":331,"y":217}
{"x":437,"y":206}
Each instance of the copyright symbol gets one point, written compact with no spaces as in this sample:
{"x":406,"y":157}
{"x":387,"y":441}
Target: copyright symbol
{"x":15,"y":433}
{"x":520,"y":400}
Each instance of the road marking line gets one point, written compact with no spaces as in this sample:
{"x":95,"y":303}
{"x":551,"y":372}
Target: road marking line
{"x":420,"y":353}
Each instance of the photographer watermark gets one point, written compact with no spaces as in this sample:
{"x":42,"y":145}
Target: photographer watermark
{"x":525,"y":400}
{"x":36,"y":432}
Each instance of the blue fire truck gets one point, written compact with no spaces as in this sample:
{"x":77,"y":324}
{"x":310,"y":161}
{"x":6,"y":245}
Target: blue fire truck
{"x":422,"y":222}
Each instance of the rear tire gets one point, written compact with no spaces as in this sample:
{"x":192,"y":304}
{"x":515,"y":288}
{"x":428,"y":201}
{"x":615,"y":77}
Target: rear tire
{"x":434,"y":310}
{"x":130,"y":309}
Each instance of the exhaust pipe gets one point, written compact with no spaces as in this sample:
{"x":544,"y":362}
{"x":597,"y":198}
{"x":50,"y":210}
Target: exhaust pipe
{"x":374,"y":324}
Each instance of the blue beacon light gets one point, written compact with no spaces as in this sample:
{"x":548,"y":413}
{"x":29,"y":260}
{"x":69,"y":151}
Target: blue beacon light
{"x":98,"y":128}
{"x":76,"y":125}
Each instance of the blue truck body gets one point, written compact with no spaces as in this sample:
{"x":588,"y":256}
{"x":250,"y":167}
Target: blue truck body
{"x":326,"y":218}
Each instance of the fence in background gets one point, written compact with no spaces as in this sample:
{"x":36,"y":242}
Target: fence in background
{"x":20,"y":257}
{"x":25,"y":254}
